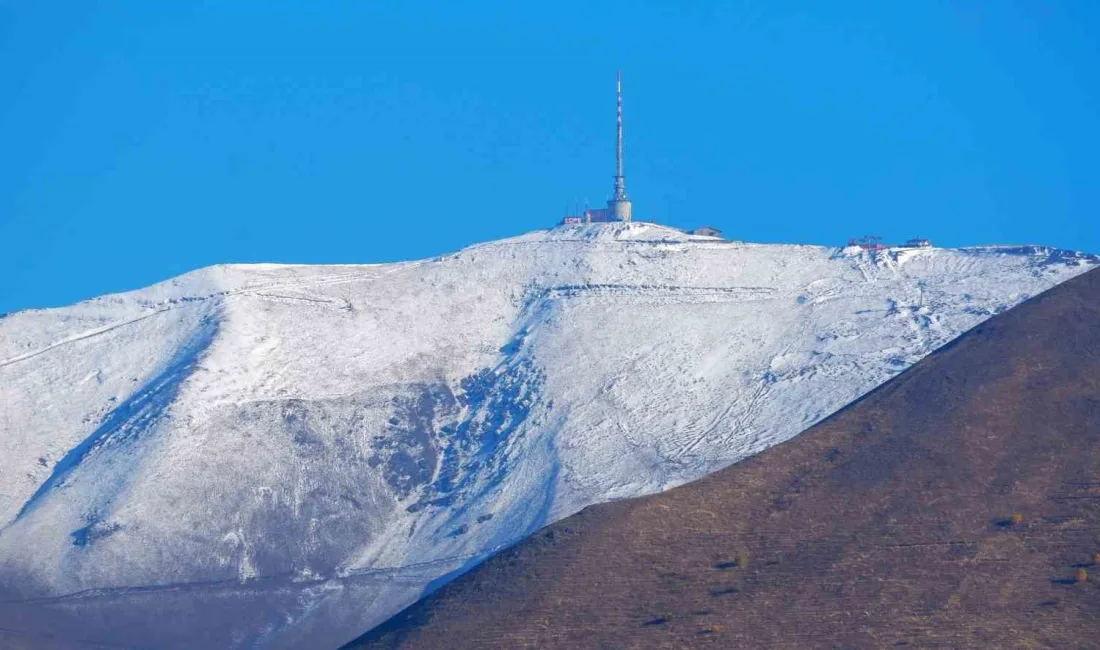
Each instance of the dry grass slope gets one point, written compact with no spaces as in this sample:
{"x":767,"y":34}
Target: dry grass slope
{"x":957,"y":506}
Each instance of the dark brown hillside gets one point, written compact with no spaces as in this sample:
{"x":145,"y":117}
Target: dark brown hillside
{"x":950,"y":508}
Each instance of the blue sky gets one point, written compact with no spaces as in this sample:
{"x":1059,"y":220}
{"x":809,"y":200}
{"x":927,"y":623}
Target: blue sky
{"x":141,"y":140}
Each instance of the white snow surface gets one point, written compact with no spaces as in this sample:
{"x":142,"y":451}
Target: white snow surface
{"x":284,"y":456}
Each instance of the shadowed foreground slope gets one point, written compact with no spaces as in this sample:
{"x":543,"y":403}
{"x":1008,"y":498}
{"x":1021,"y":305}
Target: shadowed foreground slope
{"x":952,"y":507}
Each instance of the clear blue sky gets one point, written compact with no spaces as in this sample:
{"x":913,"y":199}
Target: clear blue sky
{"x":144,"y":139}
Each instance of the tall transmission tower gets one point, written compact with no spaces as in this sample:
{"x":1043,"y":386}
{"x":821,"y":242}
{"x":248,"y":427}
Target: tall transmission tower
{"x":620,"y":181}
{"x":619,"y":205}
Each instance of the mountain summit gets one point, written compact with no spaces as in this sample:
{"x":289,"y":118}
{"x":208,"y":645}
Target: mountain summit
{"x":285,"y":456}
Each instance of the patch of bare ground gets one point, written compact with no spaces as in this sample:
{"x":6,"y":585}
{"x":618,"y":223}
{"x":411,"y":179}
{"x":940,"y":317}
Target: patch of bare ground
{"x":954,"y":507}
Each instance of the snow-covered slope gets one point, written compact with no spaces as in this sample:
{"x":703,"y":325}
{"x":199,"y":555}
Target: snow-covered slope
{"x":284,"y":456}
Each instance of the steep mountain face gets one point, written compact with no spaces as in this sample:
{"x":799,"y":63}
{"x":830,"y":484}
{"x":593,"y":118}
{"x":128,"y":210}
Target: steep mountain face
{"x":285,"y":456}
{"x":952,"y":507}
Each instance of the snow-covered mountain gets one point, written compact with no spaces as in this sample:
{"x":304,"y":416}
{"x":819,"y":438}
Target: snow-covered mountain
{"x":284,"y":456}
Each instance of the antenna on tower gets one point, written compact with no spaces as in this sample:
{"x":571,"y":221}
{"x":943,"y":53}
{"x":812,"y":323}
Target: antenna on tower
{"x":620,"y":185}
